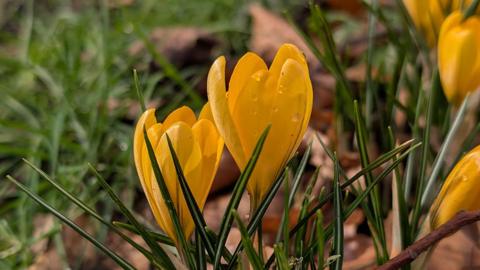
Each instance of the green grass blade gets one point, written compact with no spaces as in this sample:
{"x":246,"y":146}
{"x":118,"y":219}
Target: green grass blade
{"x":374,"y":197}
{"x":295,"y":184}
{"x":110,"y":253}
{"x":191,"y":203}
{"x":141,"y":99}
{"x":258,"y":215}
{"x":438,"y":163}
{"x":352,"y":206}
{"x":183,"y":244}
{"x":300,"y":236}
{"x":159,"y":237}
{"x":200,"y":249}
{"x":238,"y":190}
{"x":320,"y":234}
{"x":156,"y":249}
{"x":252,"y":255}
{"x":281,"y":258}
{"x":90,"y":211}
{"x":337,"y":246}
{"x":436,"y":85}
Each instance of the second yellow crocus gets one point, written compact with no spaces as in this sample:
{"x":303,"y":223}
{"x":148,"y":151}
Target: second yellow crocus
{"x":461,"y":190}
{"x":428,"y":15}
{"x":258,"y":96}
{"x":459,"y":56}
{"x":198,"y":147}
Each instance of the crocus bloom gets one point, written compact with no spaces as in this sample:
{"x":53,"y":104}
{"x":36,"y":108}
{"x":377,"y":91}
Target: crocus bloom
{"x":459,"y":56}
{"x":428,"y":15}
{"x":198,"y":147}
{"x":258,"y":96}
{"x":461,"y":190}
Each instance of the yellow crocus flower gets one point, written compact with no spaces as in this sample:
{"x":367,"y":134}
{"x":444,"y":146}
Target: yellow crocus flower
{"x":461,"y":190}
{"x":258,"y":96}
{"x":198,"y":147}
{"x":428,"y":15}
{"x":459,"y":56}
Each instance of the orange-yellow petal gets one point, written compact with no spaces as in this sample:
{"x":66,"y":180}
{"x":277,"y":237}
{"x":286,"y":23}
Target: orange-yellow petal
{"x":217,"y":98}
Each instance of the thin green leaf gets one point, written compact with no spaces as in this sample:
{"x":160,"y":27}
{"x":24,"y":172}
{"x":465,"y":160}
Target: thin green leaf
{"x":247,"y":243}
{"x":91,"y":212}
{"x":110,"y":253}
{"x":281,"y":258}
{"x":183,"y":244}
{"x":159,"y":237}
{"x":237,"y":193}
{"x":191,"y":203}
{"x":337,"y":246}
{"x":320,"y":238}
{"x":438,"y":163}
{"x":140,"y":97}
{"x":258,"y":215}
{"x":295,"y":185}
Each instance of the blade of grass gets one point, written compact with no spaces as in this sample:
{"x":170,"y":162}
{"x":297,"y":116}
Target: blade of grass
{"x":110,"y":253}
{"x":438,"y":162}
{"x":424,"y":155}
{"x":300,"y":236}
{"x":295,"y":185}
{"x":141,"y":99}
{"x":191,"y":203}
{"x":352,"y":206}
{"x":237,"y":193}
{"x":320,"y":239}
{"x":92,"y":212}
{"x":201,"y":258}
{"x":374,"y":197}
{"x":252,"y":255}
{"x":156,"y":249}
{"x":337,"y":246}
{"x":281,"y":258}
{"x":258,"y":215}
{"x":159,"y":237}
{"x":182,"y":245}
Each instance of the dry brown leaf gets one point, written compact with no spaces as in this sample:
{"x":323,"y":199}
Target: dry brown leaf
{"x":270,"y":31}
{"x":180,"y":45}
{"x":458,"y":251}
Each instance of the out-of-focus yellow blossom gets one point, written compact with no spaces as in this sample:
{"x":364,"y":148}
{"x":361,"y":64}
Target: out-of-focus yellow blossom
{"x":198,"y":147}
{"x":428,"y":15}
{"x":461,"y":190}
{"x":459,"y":56}
{"x":258,"y":96}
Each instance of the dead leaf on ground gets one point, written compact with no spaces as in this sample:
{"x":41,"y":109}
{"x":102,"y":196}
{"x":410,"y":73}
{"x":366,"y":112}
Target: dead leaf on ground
{"x":180,"y":45}
{"x":270,"y":31}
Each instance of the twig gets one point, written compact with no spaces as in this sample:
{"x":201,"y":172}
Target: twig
{"x":412,"y":252}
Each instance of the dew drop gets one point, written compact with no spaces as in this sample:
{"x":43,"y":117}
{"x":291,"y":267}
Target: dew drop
{"x":296,"y":117}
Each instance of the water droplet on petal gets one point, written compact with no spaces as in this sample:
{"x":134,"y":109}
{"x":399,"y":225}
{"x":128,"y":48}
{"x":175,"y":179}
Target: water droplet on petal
{"x":296,"y":117}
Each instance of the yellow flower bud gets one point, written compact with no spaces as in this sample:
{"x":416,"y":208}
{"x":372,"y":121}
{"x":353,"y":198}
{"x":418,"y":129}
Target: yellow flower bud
{"x":461,"y":190}
{"x":258,"y":96}
{"x":459,"y":56}
{"x":198,"y":147}
{"x":428,"y":15}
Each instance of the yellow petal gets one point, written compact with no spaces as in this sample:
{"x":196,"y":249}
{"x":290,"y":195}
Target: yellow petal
{"x":146,"y":120}
{"x":211,"y":146}
{"x":189,"y":156}
{"x":206,"y":113}
{"x":459,"y":59}
{"x":461,"y":190}
{"x":184,"y":114}
{"x":251,"y":113}
{"x":288,"y":116}
{"x":246,"y":66}
{"x":220,"y":110}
